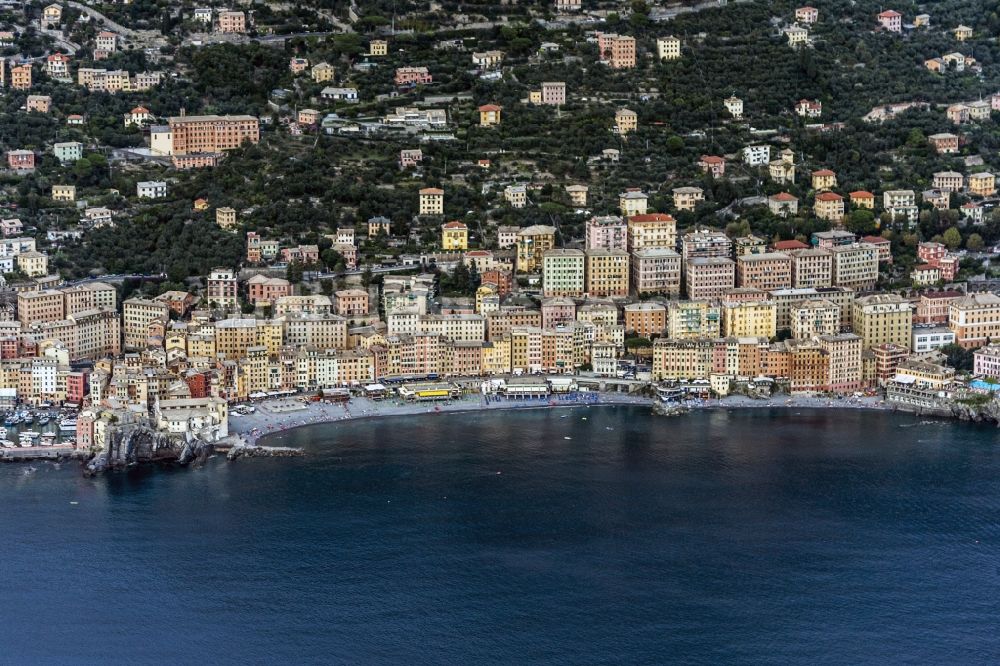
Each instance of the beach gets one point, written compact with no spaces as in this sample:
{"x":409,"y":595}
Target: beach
{"x":276,"y":416}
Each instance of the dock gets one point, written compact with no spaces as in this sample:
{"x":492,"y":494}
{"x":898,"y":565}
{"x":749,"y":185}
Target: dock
{"x":27,"y":454}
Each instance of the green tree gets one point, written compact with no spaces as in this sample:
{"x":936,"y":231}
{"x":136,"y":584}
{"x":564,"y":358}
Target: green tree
{"x":974,"y":242}
{"x":952,"y":238}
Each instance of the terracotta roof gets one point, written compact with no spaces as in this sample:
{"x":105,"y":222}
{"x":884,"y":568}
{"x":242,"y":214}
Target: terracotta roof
{"x":431,"y":190}
{"x":455,"y":224}
{"x":823,"y":172}
{"x":790,"y":245}
{"x":489,"y":107}
{"x":828,"y":196}
{"x":652,"y":217}
{"x":784,"y":196}
{"x":712,"y":159}
{"x":875,"y":239}
{"x":862,"y":194}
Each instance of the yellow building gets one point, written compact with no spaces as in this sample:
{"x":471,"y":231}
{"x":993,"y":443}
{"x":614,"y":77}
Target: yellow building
{"x":829,"y":206}
{"x":64,"y":192}
{"x":225,"y":217}
{"x":883,"y":319}
{"x":489,"y":115}
{"x":626,"y":120}
{"x":532,"y":244}
{"x":607,"y":272}
{"x":982,"y":184}
{"x":378,"y":47}
{"x":632,"y":202}
{"x":455,"y":236}
{"x":824,"y":179}
{"x":431,"y":201}
{"x":33,"y":264}
{"x":322,"y":72}
{"x":749,"y":319}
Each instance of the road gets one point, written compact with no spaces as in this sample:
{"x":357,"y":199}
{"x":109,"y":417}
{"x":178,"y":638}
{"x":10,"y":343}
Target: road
{"x":57,"y":35}
{"x":108,"y":23}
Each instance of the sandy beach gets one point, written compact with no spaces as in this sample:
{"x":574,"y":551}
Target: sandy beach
{"x":274,"y":417}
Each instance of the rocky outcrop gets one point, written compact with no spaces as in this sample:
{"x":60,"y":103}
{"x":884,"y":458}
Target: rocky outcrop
{"x":133,"y":444}
{"x":256,"y":451}
{"x":670,"y":409}
{"x":987,"y":412}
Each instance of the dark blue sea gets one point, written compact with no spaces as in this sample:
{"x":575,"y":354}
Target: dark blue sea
{"x":583,"y":536}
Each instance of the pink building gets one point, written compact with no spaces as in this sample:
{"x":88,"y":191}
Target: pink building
{"x":607,"y":232}
{"x":351,"y":303}
{"x":76,"y":387}
{"x":891,"y":20}
{"x":263,"y":290}
{"x":884,"y":246}
{"x":21,"y":159}
{"x":556,"y":311}
{"x":713,"y":164}
{"x":406,"y":76}
{"x":931,"y":253}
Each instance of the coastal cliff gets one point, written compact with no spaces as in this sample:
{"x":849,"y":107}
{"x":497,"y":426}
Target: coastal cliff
{"x":985,"y":412}
{"x":132,"y":444}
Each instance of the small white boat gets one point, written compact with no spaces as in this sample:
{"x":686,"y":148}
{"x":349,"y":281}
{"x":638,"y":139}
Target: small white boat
{"x":30,"y":434}
{"x":7,"y":444}
{"x":68,"y":425}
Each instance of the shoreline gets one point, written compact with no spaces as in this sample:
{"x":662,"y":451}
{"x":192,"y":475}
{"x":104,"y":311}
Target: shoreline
{"x":275,"y":418}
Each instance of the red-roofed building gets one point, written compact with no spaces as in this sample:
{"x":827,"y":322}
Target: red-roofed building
{"x":783,"y":204}
{"x":489,"y":115}
{"x":862,"y":199}
{"x":786,"y":245}
{"x":713,"y":164}
{"x":891,"y":20}
{"x":884,"y":247}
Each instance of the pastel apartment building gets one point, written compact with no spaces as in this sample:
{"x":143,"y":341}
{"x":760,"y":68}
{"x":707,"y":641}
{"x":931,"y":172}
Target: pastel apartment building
{"x":626,"y":120}
{"x":811,"y":267}
{"x":38,"y":103}
{"x":824,"y":179}
{"x":322,"y":72}
{"x":709,"y":277}
{"x":516,"y":195}
{"x":687,"y":198}
{"x":378,"y":48}
{"x":412,"y":76}
{"x":489,"y":115}
{"x":829,"y":206}
{"x":263,"y":290}
{"x":783,"y":204}
{"x":20,"y":76}
{"x":225,"y":217}
{"x":771,"y":270}
{"x":975,"y":319}
{"x":231,"y":22}
{"x":734,"y":105}
{"x":656,"y":270}
{"x":616,"y":51}
{"x":563,"y":273}
{"x":632,"y":202}
{"x":68,"y":151}
{"x":608,"y":232}
{"x":532,"y":244}
{"x":607,"y":273}
{"x":577,"y":195}
{"x":431,"y":201}
{"x":668,"y":48}
{"x":855,"y":266}
{"x":57,"y":66}
{"x":713,"y":165}
{"x":982,"y":184}
{"x":184,"y":135}
{"x":882,"y":319}
{"x":553,"y":93}
{"x":891,"y":21}
{"x":647,"y":319}
{"x":21,"y":160}
{"x":652,"y":230}
{"x":454,"y":236}
{"x":806,"y":15}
